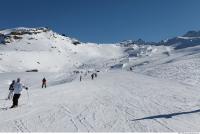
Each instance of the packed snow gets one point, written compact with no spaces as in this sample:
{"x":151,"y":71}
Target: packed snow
{"x":139,"y":88}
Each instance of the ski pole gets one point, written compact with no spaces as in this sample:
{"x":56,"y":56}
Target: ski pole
{"x":28,"y":95}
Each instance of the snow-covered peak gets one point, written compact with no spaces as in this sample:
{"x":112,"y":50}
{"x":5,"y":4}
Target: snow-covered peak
{"x":32,"y":36}
{"x":128,"y":43}
{"x":132,"y":42}
{"x":190,"y":39}
{"x":192,"y":34}
{"x":47,"y":51}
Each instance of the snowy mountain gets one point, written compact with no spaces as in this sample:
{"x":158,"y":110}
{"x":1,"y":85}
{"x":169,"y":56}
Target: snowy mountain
{"x":126,"y":43}
{"x":33,"y":47}
{"x":192,"y":34}
{"x":141,"y":87}
{"x":67,"y":53}
{"x":190,"y":39}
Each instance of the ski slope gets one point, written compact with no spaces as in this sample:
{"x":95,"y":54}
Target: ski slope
{"x":160,"y":94}
{"x":117,"y":101}
{"x":182,"y":66}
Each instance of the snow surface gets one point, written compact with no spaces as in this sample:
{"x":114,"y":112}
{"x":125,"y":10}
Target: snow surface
{"x":116,"y":101}
{"x":160,"y":94}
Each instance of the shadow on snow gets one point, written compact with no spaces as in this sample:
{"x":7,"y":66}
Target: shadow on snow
{"x":166,"y":116}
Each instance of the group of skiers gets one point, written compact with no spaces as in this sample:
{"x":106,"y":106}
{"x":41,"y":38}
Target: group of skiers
{"x":16,"y":88}
{"x":93,"y":75}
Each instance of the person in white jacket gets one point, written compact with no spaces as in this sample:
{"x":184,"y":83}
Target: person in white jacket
{"x":18,"y":87}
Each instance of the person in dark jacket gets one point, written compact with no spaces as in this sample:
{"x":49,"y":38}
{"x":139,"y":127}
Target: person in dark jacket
{"x":44,"y":83}
{"x":95,"y":74}
{"x":11,"y":89}
{"x":92,"y":76}
{"x":80,"y":77}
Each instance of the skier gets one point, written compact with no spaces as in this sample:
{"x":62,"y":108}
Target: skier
{"x":95,"y":74}
{"x":18,"y":87}
{"x":11,"y":89}
{"x":80,"y":77}
{"x":44,"y":83}
{"x":92,"y":76}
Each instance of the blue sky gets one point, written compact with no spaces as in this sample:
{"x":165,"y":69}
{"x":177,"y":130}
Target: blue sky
{"x":105,"y":21}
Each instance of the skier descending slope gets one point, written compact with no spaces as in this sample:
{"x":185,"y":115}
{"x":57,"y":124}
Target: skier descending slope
{"x":44,"y":83}
{"x":95,"y":74}
{"x":11,"y":89}
{"x":80,"y":78}
{"x":92,"y":76}
{"x":18,"y":87}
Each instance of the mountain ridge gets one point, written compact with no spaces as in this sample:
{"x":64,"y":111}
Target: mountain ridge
{"x":192,"y":34}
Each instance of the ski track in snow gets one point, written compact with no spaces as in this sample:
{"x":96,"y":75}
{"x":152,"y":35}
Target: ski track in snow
{"x":96,"y":107}
{"x":139,"y":104}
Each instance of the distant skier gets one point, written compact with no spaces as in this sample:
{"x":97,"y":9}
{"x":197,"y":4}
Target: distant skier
{"x":80,"y":77}
{"x":11,"y":89}
{"x":95,"y":75}
{"x":92,"y":76}
{"x":44,"y":83}
{"x":18,"y":87}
